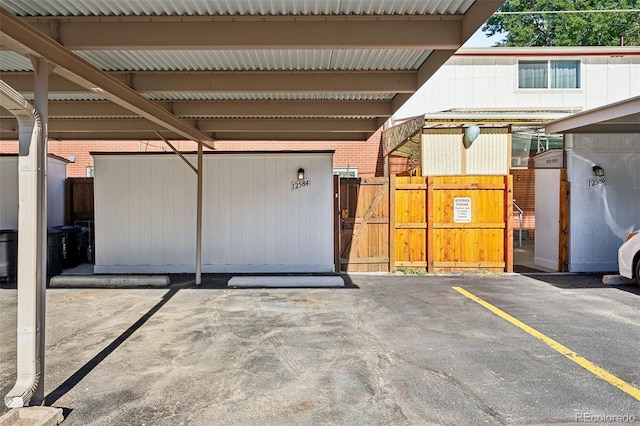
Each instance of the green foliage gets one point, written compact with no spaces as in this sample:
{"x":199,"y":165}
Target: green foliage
{"x":410,"y":271}
{"x":566,"y":29}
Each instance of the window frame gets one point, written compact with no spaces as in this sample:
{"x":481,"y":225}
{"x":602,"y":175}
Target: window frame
{"x":549,"y":74}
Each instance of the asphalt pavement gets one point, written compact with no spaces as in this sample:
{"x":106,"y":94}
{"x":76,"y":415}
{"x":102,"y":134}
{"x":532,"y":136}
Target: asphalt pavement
{"x":383,"y":350}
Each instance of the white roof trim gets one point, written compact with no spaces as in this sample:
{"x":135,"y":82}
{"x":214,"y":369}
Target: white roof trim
{"x":619,"y":117}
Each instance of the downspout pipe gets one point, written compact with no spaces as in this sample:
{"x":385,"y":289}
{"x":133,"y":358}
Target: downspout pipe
{"x":31,"y":216}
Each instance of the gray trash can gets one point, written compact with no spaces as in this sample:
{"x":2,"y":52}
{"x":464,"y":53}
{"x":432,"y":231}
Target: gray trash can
{"x":8,"y":254}
{"x":54,"y":252}
{"x":70,"y":246}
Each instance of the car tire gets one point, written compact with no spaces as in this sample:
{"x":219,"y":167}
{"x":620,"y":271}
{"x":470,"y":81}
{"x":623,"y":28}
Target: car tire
{"x":637,"y":271}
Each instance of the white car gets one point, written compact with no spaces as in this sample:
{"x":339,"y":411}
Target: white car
{"x":629,"y":257}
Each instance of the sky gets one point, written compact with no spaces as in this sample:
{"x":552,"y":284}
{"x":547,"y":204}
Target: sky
{"x":479,"y":39}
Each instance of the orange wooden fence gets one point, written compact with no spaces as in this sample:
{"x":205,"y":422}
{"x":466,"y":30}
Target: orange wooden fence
{"x":436,"y":224}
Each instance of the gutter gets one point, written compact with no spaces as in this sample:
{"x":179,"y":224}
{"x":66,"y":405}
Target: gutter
{"x":30,"y":326}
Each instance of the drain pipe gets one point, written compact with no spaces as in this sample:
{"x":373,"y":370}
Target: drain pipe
{"x":31,"y":216}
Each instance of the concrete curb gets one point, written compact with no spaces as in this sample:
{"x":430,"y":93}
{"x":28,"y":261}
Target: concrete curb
{"x":285,"y":281}
{"x":616,"y":280}
{"x":32,"y":416}
{"x":111,"y":281}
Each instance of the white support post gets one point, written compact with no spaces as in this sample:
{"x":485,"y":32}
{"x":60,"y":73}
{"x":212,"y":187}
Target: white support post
{"x":41,"y":104}
{"x":32,"y":239}
{"x":199,"y":220}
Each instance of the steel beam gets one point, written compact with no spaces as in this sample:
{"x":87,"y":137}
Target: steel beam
{"x":265,"y":32}
{"x":204,"y":82}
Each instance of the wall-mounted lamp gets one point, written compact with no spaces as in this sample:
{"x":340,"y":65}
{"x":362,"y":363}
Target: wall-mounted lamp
{"x":300,"y":173}
{"x":470,"y":134}
{"x":598,"y":171}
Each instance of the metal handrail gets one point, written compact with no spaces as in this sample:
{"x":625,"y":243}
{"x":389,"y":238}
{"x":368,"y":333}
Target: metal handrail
{"x":520,"y":212}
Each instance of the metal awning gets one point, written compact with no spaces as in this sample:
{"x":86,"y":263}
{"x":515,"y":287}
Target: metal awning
{"x":619,"y":117}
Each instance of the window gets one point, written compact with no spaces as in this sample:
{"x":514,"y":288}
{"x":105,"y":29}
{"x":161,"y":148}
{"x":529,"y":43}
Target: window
{"x":549,"y":74}
{"x":346,"y":172}
{"x":89,"y":171}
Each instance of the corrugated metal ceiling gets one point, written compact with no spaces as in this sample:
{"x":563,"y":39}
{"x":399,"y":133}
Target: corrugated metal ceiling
{"x":255,"y":60}
{"x":231,"y":7}
{"x":345,"y":66}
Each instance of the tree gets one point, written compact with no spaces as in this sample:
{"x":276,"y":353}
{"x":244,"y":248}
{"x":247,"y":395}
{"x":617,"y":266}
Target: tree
{"x":571,"y":23}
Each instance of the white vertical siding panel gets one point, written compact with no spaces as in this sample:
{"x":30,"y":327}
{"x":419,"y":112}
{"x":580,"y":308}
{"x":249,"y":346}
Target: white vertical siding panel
{"x":259,"y":249}
{"x":146,"y":218}
{"x":596,"y":83}
{"x":326,"y":213}
{"x":505,"y":83}
{"x":271,"y":218}
{"x":56,"y":175}
{"x":441,"y":152}
{"x":284,"y":214}
{"x":100,"y":224}
{"x":120,"y":196}
{"x":135,"y":254}
{"x":168,"y":213}
{"x":619,"y":81}
{"x":156,"y":211}
{"x":178,"y":225}
{"x":237,"y":207}
{"x":547,"y":199}
{"x":307,"y":246}
{"x":489,"y":154}
{"x":484,"y":95}
{"x":9,"y":192}
{"x":457,"y":85}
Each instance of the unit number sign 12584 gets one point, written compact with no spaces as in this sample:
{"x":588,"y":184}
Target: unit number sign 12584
{"x":298,"y":184}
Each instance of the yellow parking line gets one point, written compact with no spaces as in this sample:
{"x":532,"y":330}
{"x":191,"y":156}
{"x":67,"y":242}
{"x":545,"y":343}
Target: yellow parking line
{"x":582,"y":362}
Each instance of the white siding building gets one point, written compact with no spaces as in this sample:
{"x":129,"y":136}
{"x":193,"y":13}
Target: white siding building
{"x":558,"y":80}
{"x":507,"y":86}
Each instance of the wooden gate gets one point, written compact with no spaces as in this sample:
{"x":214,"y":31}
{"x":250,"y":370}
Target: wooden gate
{"x":364,"y":224}
{"x":451,"y":223}
{"x":469,"y":219}
{"x":78,"y":200}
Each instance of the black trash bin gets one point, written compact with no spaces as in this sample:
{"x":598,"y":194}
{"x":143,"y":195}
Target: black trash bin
{"x":70,"y":246}
{"x":54,"y":252}
{"x":8,"y":254}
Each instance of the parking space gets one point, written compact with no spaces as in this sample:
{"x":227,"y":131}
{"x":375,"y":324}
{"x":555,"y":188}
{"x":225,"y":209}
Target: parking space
{"x":383,"y":350}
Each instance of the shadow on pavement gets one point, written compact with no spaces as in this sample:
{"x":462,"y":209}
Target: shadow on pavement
{"x":581,"y":281}
{"x":68,"y":384}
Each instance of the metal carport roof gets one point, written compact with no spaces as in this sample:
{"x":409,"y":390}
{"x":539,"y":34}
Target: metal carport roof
{"x":232,"y":70}
{"x":618,"y":117}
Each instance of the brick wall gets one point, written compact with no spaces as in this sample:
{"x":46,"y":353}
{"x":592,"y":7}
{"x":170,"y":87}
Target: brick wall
{"x":365,"y":155}
{"x":524,"y":194}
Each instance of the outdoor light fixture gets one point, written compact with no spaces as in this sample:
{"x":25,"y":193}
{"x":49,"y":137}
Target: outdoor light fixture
{"x":300,"y":173}
{"x":471,"y":134}
{"x":598,"y":171}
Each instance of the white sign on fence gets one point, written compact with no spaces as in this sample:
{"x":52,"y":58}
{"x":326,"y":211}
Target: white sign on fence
{"x":462,"y":210}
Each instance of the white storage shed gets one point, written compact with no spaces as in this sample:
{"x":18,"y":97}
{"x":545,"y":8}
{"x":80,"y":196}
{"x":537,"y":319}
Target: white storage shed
{"x":602,"y":149}
{"x":56,"y":175}
{"x":258,"y":215}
